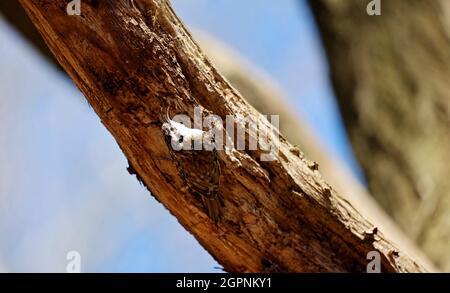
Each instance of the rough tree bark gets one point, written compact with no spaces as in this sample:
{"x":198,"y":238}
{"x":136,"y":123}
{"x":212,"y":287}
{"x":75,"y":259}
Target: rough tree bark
{"x":262,"y":93}
{"x":391,"y":76}
{"x":132,"y":58}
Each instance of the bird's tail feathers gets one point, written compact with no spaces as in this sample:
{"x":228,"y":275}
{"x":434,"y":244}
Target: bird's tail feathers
{"x":213,"y":206}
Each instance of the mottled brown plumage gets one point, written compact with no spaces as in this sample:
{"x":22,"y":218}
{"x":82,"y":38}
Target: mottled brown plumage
{"x":199,"y":169}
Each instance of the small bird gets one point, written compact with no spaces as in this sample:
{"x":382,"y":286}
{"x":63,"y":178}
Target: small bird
{"x":199,"y":169}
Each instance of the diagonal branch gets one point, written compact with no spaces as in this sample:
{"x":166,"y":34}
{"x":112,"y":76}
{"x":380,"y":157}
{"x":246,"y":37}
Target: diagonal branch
{"x":133,"y":58}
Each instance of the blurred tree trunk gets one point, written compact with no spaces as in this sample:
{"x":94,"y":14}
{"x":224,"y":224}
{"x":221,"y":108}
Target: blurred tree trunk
{"x":391,"y":74}
{"x":133,"y":58}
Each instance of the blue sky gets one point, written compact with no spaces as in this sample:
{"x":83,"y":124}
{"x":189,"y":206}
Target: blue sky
{"x":64,"y":184}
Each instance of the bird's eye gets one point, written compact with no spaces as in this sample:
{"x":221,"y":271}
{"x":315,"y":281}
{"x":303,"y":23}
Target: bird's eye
{"x":172,"y":129}
{"x":180,"y":140}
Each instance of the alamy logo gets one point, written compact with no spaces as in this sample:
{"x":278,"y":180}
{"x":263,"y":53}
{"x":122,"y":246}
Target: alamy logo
{"x":74,"y":8}
{"x":250,"y":134}
{"x":374,"y":265}
{"x":74,"y":264}
{"x":374,"y":8}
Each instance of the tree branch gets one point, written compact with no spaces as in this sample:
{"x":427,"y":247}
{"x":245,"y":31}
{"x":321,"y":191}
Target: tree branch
{"x":133,"y":58}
